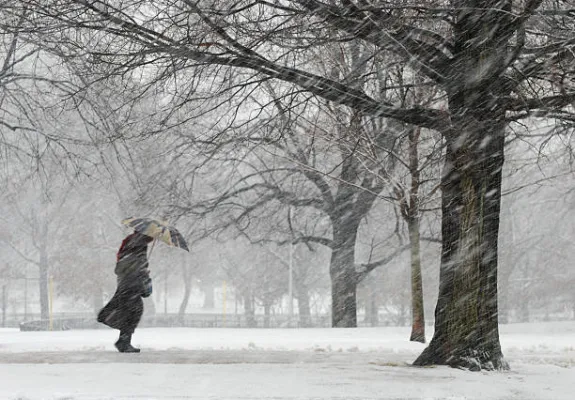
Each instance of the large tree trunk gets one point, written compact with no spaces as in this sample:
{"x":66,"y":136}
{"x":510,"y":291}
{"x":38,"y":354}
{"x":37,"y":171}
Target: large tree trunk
{"x":343,"y":279}
{"x":417,"y":311}
{"x":466,"y":316}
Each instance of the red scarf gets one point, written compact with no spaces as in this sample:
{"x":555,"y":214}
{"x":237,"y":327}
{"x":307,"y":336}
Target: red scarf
{"x":124,"y":242}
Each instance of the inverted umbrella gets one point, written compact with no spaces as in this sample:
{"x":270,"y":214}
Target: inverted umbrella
{"x":158,"y":230}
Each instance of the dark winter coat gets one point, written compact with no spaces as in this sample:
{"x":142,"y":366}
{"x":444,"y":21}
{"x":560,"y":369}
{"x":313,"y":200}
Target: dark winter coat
{"x":125,"y":309}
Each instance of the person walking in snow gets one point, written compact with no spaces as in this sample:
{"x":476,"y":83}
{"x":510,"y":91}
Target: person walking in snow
{"x":125,"y":308}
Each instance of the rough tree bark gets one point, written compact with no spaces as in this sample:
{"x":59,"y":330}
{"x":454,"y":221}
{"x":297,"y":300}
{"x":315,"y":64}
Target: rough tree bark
{"x":466,"y":316}
{"x":466,"y":319}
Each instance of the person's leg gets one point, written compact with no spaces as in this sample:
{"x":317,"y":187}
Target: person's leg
{"x":131,"y":311}
{"x":124,"y":344}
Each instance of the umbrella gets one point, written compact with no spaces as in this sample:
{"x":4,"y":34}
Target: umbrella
{"x":158,"y":230}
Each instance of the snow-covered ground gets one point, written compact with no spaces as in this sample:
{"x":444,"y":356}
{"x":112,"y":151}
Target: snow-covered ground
{"x":216,"y":364}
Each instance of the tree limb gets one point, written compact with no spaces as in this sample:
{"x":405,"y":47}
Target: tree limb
{"x":363,"y":269}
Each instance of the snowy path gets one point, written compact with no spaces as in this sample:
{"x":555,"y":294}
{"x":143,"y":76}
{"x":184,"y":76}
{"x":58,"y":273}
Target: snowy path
{"x":277,"y":381}
{"x":318,"y":364}
{"x":170,"y":357}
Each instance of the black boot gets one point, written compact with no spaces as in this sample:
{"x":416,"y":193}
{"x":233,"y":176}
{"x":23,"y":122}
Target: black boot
{"x":124,"y":344}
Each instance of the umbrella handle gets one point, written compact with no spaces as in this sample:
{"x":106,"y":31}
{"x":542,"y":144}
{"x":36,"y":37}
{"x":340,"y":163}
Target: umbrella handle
{"x":152,"y":248}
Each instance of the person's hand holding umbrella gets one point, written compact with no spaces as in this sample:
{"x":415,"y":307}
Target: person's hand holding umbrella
{"x":158,"y":230}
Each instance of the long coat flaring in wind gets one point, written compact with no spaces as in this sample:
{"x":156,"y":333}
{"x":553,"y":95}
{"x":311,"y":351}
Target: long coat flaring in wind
{"x":125,"y":309}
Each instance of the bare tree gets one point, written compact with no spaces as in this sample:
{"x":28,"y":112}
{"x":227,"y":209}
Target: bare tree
{"x":294,"y":171}
{"x":503,"y":61}
{"x":414,"y":194}
{"x":39,"y":222}
{"x":258,"y":278}
{"x":87,"y":244}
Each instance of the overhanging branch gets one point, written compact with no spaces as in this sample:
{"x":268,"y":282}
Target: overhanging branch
{"x":551,"y":103}
{"x":363,"y":269}
{"x":403,"y":40}
{"x":328,"y":89}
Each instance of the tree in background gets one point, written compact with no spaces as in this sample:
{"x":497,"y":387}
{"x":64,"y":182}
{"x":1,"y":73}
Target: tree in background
{"x":414,"y":193}
{"x":500,"y":62}
{"x":47,"y":147}
{"x":37,"y":216}
{"x":330,"y":192}
{"x":257,"y":277}
{"x":84,"y":268}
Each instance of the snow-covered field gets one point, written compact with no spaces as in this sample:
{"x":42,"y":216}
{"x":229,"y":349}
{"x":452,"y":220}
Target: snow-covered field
{"x":364,"y":363}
